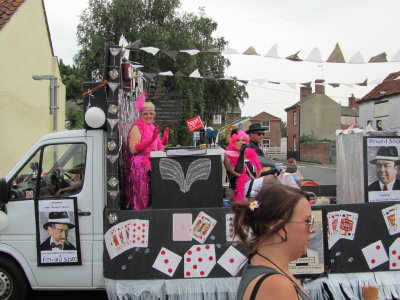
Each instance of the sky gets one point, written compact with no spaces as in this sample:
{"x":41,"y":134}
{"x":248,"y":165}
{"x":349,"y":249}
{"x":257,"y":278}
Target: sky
{"x":366,"y":26}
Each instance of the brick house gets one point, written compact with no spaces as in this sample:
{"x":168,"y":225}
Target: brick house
{"x":349,"y":114}
{"x":272,"y":124}
{"x":315,"y":115}
{"x":381,"y":105}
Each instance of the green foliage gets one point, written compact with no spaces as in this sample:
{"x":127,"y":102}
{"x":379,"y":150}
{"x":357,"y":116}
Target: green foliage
{"x":310,"y":139}
{"x":158,"y":23}
{"x":74,"y":119}
{"x":73,"y":78}
{"x":283,"y":129}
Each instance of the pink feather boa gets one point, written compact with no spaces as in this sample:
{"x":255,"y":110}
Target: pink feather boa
{"x":251,"y":155}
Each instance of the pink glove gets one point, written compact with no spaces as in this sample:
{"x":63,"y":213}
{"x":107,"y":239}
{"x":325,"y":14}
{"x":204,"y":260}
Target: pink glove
{"x":165,"y":136}
{"x":141,"y":146}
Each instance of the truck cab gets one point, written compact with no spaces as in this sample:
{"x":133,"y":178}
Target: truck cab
{"x":63,"y":165}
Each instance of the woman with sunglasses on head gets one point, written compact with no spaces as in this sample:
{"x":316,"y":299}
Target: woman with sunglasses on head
{"x":276,"y":228}
{"x":142,"y":138}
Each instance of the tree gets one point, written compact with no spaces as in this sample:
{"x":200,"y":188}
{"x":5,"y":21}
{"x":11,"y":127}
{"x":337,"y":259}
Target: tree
{"x":157,"y":23}
{"x":73,"y":78}
{"x":283,"y":129}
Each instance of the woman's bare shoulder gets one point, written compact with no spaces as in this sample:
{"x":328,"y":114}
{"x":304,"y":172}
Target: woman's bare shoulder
{"x":277,"y":287}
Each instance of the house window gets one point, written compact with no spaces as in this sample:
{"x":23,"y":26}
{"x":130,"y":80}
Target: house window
{"x":217,"y":119}
{"x":265,"y":125}
{"x":294,"y":118}
{"x":294,"y":143}
{"x":266,"y":143}
{"x":379,"y":125}
{"x":381,"y":109}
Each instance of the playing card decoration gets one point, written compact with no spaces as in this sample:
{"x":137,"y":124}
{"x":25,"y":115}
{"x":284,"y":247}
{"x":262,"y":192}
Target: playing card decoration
{"x":229,"y":228}
{"x":391,"y":217}
{"x":199,"y":260}
{"x":202,"y":227}
{"x":127,"y":235}
{"x":180,"y":227}
{"x":232,"y":260}
{"x":341,"y":225}
{"x":375,"y":254}
{"x":394,"y":255}
{"x":167,"y":261}
{"x":198,"y":169}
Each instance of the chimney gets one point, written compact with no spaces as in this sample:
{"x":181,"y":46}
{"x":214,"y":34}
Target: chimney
{"x":319,"y":88}
{"x":305,"y":91}
{"x":352,"y":102}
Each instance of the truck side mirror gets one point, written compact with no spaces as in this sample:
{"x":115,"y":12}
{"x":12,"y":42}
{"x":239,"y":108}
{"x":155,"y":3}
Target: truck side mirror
{"x":3,"y":191}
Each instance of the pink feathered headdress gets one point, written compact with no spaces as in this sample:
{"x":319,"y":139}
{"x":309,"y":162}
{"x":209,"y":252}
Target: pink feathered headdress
{"x":236,"y":134}
{"x":140,"y":101}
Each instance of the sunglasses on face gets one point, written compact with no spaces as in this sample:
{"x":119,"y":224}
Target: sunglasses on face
{"x":310,"y":223}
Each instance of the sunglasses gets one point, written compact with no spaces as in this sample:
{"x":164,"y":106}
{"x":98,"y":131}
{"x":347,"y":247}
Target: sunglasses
{"x":310,"y":223}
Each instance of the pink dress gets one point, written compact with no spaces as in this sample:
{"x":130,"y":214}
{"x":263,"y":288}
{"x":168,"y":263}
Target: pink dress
{"x":138,"y":167}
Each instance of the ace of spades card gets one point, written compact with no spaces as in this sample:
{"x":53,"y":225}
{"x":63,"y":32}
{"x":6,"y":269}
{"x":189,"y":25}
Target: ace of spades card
{"x":202,"y":227}
{"x":375,"y":254}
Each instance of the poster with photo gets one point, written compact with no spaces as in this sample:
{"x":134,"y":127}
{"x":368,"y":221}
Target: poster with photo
{"x":312,"y":262}
{"x":57,"y":232}
{"x":381,"y":168}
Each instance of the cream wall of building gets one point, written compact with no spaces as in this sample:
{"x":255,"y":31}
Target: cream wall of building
{"x":320,"y":117}
{"x":25,"y":51}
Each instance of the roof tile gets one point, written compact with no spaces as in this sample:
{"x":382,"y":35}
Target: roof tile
{"x":389,"y":86}
{"x":7,"y":10}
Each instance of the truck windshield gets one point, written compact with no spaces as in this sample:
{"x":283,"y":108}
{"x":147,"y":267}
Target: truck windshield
{"x":54,"y":170}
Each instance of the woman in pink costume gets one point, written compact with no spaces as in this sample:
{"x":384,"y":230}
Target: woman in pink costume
{"x":142,"y":138}
{"x":243,"y":166}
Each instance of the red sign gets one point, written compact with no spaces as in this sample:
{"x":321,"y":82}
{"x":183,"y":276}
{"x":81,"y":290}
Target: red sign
{"x":194,"y":123}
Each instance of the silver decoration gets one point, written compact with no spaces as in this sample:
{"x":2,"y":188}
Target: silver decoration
{"x":112,"y":218}
{"x":351,"y":259}
{"x":113,"y":109}
{"x":338,"y":253}
{"x":218,"y":246}
{"x":212,"y":238}
{"x":111,"y":145}
{"x":147,"y":251}
{"x":123,"y":267}
{"x":114,"y":52}
{"x":113,"y":181}
{"x":130,"y":257}
{"x":113,"y":73}
{"x":198,"y":170}
{"x":112,"y":158}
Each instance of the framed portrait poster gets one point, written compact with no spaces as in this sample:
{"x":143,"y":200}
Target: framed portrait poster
{"x":57,"y":232}
{"x":381,"y":168}
{"x":312,"y":262}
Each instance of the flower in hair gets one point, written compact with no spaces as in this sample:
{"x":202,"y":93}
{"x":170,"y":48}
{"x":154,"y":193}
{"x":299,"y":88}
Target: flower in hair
{"x":253,"y":205}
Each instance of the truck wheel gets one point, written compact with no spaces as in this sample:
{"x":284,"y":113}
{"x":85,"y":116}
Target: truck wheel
{"x":13,"y":284}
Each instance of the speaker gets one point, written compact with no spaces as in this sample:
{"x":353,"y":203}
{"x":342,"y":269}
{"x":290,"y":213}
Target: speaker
{"x":96,"y":97}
